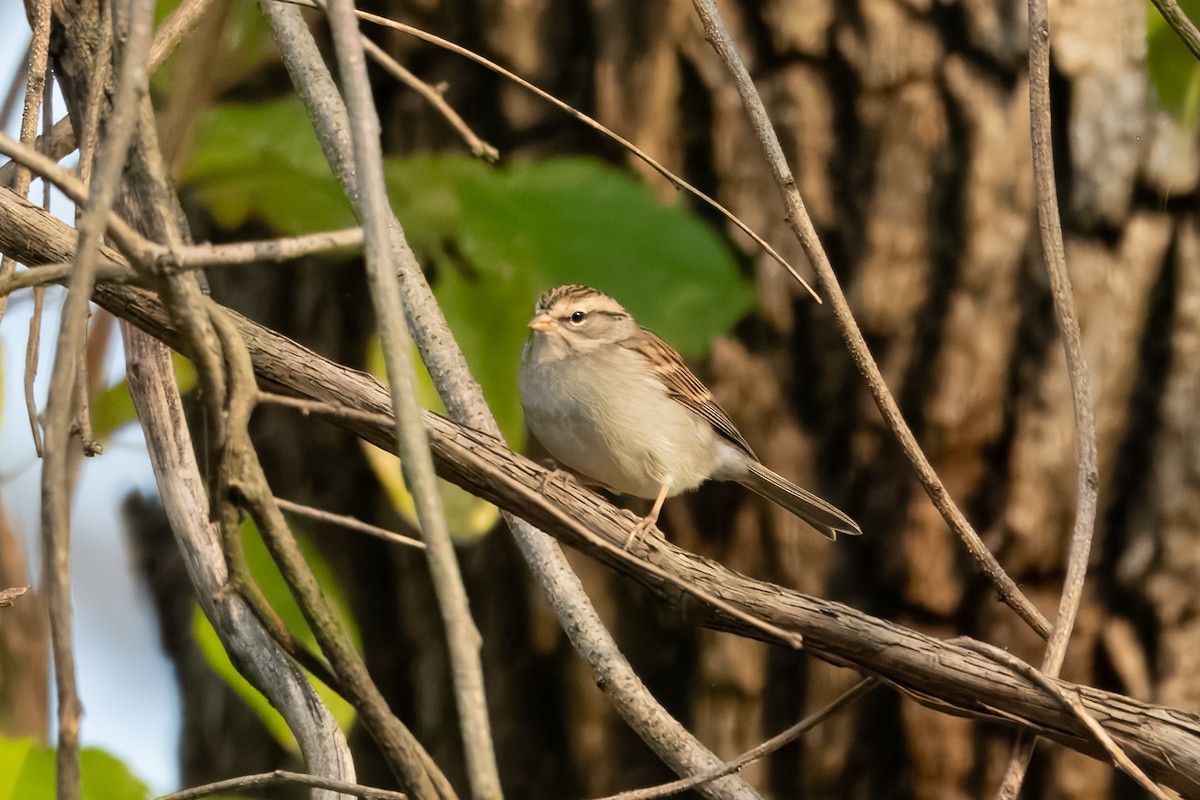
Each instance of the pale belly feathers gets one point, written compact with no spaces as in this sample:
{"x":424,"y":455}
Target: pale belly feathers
{"x":621,"y":431}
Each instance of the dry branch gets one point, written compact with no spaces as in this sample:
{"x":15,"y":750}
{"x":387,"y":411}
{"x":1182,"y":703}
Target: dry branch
{"x":944,"y":675}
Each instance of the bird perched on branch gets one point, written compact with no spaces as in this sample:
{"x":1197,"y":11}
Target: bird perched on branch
{"x":616,"y":405}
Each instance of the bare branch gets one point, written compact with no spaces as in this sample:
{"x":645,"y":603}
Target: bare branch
{"x":178,"y":24}
{"x":36,"y":63}
{"x":281,"y":777}
{"x":371,"y":203}
{"x":754,"y":754}
{"x":1180,"y":23}
{"x":65,"y":382}
{"x":348,"y":522}
{"x":160,"y":410}
{"x":1088,"y":483}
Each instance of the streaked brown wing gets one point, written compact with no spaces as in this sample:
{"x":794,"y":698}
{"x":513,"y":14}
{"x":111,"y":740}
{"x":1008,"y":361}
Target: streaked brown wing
{"x":684,"y":387}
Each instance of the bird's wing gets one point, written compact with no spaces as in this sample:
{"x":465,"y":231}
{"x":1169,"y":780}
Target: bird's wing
{"x":685,"y":388}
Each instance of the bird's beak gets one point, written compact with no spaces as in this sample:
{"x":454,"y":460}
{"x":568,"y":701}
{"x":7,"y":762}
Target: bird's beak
{"x":542,"y":322}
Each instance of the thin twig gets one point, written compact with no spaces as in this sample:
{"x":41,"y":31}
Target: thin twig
{"x":1088,"y":472}
{"x":178,"y":24}
{"x":1088,"y":480}
{"x":271,"y":251}
{"x":462,"y":637}
{"x":771,"y":745}
{"x":433,"y":96}
{"x":349,"y":522}
{"x":654,"y":164}
{"x":33,"y":341}
{"x":802,"y":226}
{"x":1070,"y":701}
{"x":242,"y":471}
{"x":65,"y":383}
{"x":48,"y":274}
{"x":35,"y":83}
{"x":81,"y":425}
{"x":282,"y":777}
{"x":1180,"y":23}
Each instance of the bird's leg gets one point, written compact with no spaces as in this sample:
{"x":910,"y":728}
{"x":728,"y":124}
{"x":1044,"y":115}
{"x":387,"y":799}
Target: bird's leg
{"x":647,"y":522}
{"x":556,"y":475}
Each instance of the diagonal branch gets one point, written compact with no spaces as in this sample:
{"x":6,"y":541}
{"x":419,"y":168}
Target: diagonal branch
{"x":1180,"y":23}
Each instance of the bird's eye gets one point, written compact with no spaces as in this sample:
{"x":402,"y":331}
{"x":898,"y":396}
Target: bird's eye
{"x":578,"y":317}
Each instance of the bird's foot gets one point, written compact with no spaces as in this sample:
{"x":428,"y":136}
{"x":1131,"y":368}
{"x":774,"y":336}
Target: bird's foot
{"x":556,"y":476}
{"x":644,"y":525}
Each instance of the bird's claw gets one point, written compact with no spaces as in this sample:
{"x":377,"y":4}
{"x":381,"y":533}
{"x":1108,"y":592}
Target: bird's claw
{"x":559,"y":476}
{"x":639,"y":530}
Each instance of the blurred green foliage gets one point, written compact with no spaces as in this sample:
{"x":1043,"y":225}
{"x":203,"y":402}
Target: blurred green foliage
{"x":1174,"y":71}
{"x":27,"y":773}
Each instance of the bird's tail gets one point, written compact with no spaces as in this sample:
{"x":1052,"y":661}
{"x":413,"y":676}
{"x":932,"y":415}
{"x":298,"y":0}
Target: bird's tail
{"x":827,"y":519}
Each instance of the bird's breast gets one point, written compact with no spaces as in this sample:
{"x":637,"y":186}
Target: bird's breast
{"x":606,"y":416}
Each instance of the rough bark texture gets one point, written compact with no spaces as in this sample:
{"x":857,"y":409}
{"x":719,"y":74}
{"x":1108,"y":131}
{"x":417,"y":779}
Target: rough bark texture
{"x":907,"y":125}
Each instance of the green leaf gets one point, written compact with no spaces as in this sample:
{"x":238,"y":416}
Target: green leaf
{"x":15,"y":756}
{"x":505,"y":231}
{"x":105,"y":777}
{"x":1174,"y":71}
{"x":27,"y":773}
{"x":275,"y":590}
{"x":263,"y":161}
